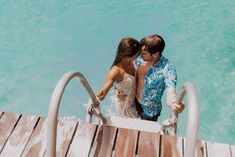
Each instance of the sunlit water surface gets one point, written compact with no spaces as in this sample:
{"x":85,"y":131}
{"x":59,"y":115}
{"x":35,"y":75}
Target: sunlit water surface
{"x":41,"y":40}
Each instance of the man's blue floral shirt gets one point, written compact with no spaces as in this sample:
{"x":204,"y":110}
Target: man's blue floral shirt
{"x":160,"y":76}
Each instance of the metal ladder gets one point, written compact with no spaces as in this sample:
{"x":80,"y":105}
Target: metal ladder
{"x":192,"y":123}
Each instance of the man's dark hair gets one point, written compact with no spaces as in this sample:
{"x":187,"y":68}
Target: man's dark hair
{"x":154,"y":43}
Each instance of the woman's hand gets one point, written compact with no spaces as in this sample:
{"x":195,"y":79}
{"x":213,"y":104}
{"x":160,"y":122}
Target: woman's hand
{"x":101,"y":95}
{"x":120,"y":95}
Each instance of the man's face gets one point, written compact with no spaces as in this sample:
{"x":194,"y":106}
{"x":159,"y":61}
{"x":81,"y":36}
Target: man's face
{"x":145,"y":54}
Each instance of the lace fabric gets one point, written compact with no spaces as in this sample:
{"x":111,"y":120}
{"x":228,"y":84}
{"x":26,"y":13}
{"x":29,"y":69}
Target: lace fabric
{"x":126,"y":108}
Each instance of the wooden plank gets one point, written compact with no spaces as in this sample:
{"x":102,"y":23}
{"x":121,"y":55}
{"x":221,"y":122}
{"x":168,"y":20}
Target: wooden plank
{"x":65,"y":131}
{"x":104,"y":142}
{"x":126,"y":143}
{"x":1,"y":114}
{"x":7,"y":124}
{"x":19,"y":137}
{"x":148,"y":144}
{"x":218,"y":150}
{"x":200,"y":149}
{"x":179,"y":145}
{"x":232,"y":148}
{"x":37,"y":142}
{"x":133,"y":123}
{"x":171,"y":146}
{"x":82,"y":140}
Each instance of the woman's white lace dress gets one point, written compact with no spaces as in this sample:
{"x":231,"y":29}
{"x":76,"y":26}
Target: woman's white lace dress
{"x":126,"y":108}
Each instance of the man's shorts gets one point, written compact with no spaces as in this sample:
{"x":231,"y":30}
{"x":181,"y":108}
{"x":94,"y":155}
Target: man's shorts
{"x":141,"y":113}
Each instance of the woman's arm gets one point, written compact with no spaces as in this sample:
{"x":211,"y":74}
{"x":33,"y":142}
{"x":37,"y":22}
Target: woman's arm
{"x":111,"y":77}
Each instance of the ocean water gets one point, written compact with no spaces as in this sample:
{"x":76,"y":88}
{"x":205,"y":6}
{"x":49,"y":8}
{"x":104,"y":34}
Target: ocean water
{"x":42,"y":40}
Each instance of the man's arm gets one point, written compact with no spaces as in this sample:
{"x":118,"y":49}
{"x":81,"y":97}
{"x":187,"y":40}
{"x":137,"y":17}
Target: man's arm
{"x":171,"y":100}
{"x":170,"y":81}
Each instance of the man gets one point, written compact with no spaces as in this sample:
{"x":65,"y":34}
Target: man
{"x":155,"y":73}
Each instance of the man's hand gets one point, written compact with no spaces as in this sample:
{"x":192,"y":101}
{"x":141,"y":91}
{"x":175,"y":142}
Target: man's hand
{"x":178,"y":108}
{"x":171,"y":101}
{"x":120,"y":95}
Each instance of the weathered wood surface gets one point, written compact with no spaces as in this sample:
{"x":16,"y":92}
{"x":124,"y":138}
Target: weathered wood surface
{"x":37,"y":142}
{"x":25,"y":136}
{"x":126,"y":143}
{"x":232,"y":151}
{"x":65,"y":131}
{"x":7,"y":124}
{"x":200,"y":150}
{"x":218,"y":150}
{"x":82,"y":140}
{"x":1,"y":114}
{"x":171,"y":146}
{"x":19,"y":136}
{"x":148,"y":144}
{"x":104,"y":142}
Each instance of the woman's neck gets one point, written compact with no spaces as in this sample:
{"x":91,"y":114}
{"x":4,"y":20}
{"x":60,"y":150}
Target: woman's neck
{"x":127,"y":67}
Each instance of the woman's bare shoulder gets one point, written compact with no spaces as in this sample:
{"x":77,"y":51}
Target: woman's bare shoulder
{"x":116,"y":72}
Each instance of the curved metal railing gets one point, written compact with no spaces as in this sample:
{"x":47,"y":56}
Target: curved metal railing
{"x":54,"y":108}
{"x":192,"y":121}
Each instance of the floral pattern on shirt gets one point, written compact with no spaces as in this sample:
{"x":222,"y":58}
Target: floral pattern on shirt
{"x":159,"y":77}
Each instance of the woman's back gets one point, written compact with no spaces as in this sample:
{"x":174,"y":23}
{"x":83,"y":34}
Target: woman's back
{"x":128,"y":87}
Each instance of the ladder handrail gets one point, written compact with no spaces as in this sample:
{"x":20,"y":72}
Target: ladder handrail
{"x":192,"y":120}
{"x":54,"y":107}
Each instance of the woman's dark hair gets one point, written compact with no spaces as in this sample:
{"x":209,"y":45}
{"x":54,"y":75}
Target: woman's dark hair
{"x":128,"y":47}
{"x":154,"y":43}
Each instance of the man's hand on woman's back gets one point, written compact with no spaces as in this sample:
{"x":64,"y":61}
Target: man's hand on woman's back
{"x":120,"y":95}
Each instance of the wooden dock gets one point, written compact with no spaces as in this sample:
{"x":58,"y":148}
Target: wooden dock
{"x":24,"y":135}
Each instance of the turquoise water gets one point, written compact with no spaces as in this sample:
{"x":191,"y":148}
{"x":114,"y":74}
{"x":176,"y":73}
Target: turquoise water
{"x":41,"y":40}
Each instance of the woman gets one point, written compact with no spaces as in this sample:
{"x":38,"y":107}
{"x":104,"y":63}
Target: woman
{"x":122,"y":73}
